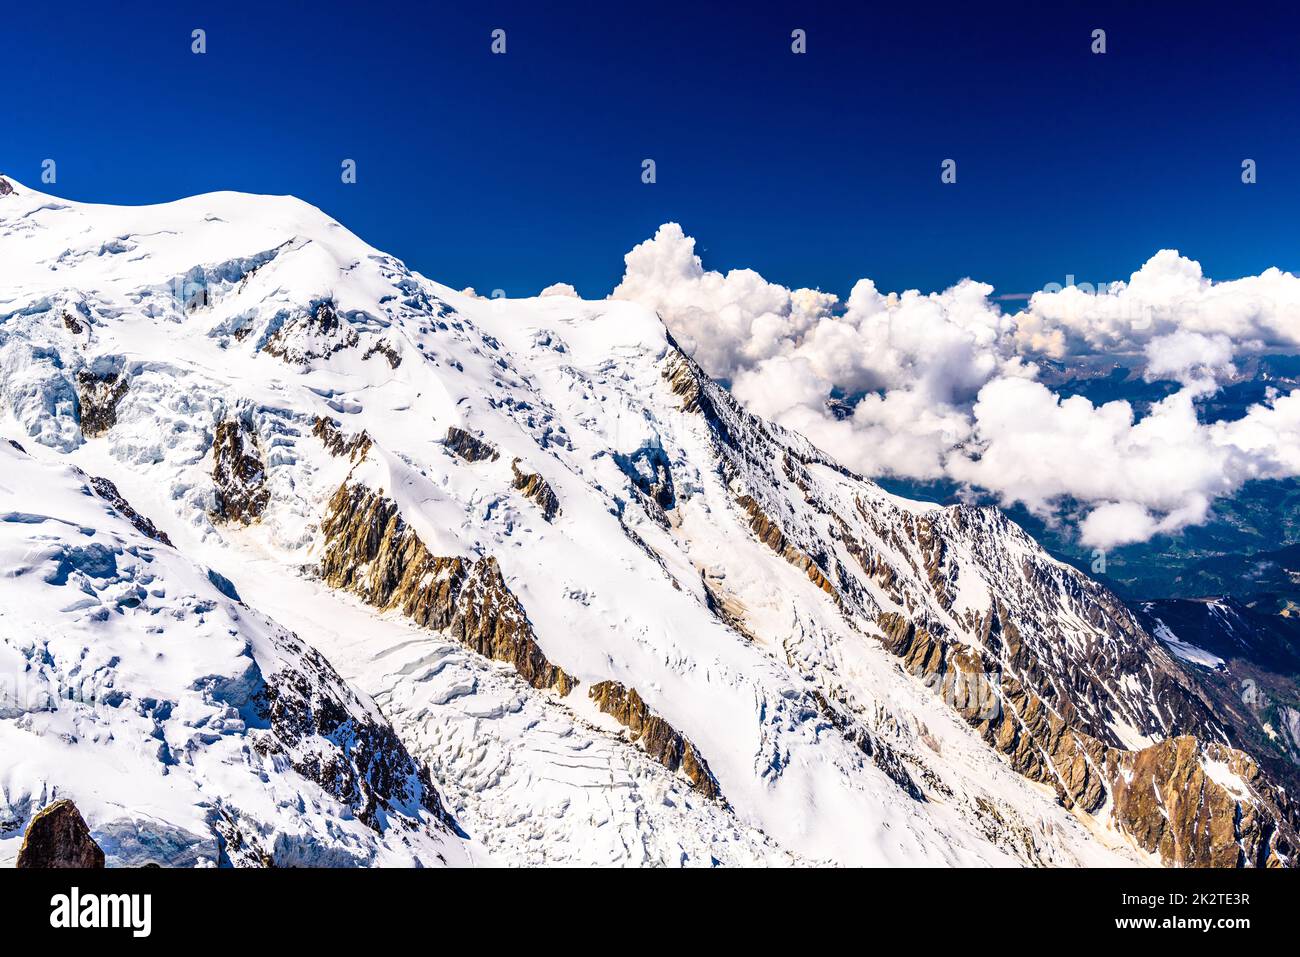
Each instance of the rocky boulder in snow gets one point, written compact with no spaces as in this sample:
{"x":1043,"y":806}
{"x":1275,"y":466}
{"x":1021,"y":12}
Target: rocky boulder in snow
{"x":315,"y":333}
{"x":535,"y":487}
{"x":468,"y":447}
{"x":58,"y":837}
{"x":338,"y":442}
{"x":98,"y":395}
{"x":109,"y":493}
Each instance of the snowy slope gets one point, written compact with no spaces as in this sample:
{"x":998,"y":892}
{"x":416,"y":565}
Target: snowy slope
{"x":501,"y":518}
{"x":188,"y":728}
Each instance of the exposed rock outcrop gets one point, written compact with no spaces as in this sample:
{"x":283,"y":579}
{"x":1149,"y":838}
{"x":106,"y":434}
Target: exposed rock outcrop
{"x":58,"y":837}
{"x":882,"y":755}
{"x":238,"y":473}
{"x":1162,"y":796}
{"x":371,"y":551}
{"x":684,"y":378}
{"x":651,"y":474}
{"x":1257,"y":683}
{"x":97,"y":398}
{"x":1201,"y":806}
{"x":338,"y":442}
{"x":538,"y":489}
{"x":108,"y":491}
{"x":469,"y":447}
{"x":661,"y":741}
{"x":315,"y":334}
{"x":6,"y":188}
{"x":361,"y":762}
{"x":770,"y":534}
{"x":239,"y":846}
{"x":382,"y":347}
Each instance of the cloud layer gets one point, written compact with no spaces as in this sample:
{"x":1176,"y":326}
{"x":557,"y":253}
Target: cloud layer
{"x":945,"y":385}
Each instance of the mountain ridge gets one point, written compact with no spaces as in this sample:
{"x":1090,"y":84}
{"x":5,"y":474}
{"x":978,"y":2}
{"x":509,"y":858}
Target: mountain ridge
{"x":792,"y":664}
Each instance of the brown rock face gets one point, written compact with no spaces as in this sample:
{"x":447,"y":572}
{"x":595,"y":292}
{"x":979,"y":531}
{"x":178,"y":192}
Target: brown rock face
{"x":536,"y":488}
{"x":489,"y":619}
{"x":5,"y":187}
{"x":98,"y":396}
{"x":242,"y":495}
{"x":469,"y":447}
{"x":1162,"y":795}
{"x":661,"y":741}
{"x":1166,"y":799}
{"x":770,"y":534}
{"x":58,"y":837}
{"x":338,"y":442}
{"x":685,"y":384}
{"x":371,"y":551}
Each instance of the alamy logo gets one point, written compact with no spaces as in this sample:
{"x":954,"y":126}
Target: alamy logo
{"x":72,"y":910}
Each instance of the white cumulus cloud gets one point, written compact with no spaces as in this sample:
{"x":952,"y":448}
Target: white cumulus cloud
{"x":559,"y":289}
{"x":945,"y":384}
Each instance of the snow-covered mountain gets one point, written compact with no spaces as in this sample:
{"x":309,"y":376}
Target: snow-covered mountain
{"x":192,"y":729}
{"x":613,"y":617}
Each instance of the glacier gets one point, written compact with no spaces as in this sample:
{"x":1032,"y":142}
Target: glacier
{"x":577,"y":604}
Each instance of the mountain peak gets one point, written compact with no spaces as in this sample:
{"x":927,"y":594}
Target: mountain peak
{"x":589,"y":590}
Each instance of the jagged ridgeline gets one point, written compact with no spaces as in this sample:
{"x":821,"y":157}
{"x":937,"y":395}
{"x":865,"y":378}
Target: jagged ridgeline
{"x":1058,"y":717}
{"x":516,"y":580}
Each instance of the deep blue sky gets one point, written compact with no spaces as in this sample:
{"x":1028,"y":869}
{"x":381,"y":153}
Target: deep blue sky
{"x":520,"y":170}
